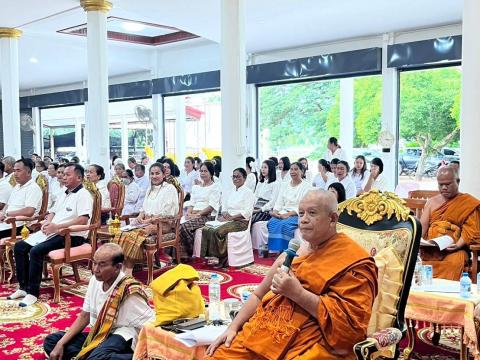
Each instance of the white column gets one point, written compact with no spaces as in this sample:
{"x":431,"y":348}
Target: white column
{"x":10,"y":91}
{"x":158,"y":126}
{"x":347,"y":116}
{"x":233,"y":87}
{"x":124,"y":138}
{"x":78,"y":137}
{"x":389,"y":113}
{"x":98,"y":146}
{"x":180,"y":129}
{"x":470,"y":114}
{"x":38,"y":137}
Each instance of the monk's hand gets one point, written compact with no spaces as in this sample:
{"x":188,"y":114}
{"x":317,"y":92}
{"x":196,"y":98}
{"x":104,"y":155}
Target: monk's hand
{"x":226,"y":338}
{"x":286,"y":284}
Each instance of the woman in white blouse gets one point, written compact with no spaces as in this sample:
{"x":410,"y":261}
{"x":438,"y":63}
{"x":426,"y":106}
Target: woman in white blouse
{"x":132,"y":204}
{"x":360,"y":173}
{"x":308,"y":174}
{"x":343,"y":178}
{"x":203,"y":206}
{"x":284,"y":221}
{"x":188,"y":176}
{"x":324,"y":175}
{"x":284,"y":169}
{"x":376,"y":180}
{"x":235,"y":217}
{"x":266,"y":193}
{"x":96,"y":174}
{"x":251,"y":169}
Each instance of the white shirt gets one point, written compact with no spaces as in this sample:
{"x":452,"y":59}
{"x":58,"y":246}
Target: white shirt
{"x":318,"y":181}
{"x":28,"y":195}
{"x":187,"y":179}
{"x":54,"y":196}
{"x":143,"y":183}
{"x":380,"y":183}
{"x":348,"y":184}
{"x":205,"y":196}
{"x":339,"y":154}
{"x":133,"y":313}
{"x":240,"y":201}
{"x":132,"y":195}
{"x":5,"y":188}
{"x":251,"y":181}
{"x":268,"y":191}
{"x":359,"y":182}
{"x":72,"y":204}
{"x":285,"y":178}
{"x":161,"y":200}
{"x":290,"y":196}
{"x":102,"y":188}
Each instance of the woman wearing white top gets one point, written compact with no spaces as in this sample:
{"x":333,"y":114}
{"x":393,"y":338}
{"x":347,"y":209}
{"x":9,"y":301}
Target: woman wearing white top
{"x":308,"y":174}
{"x":334,"y":150}
{"x":235,"y":217}
{"x":188,"y":176}
{"x":54,"y":196}
{"x":324,"y":175}
{"x":131,"y":204}
{"x":160,"y":201}
{"x":284,"y":221}
{"x":342,"y":177}
{"x":203,"y":206}
{"x":251,"y":169}
{"x":284,"y":169}
{"x":376,"y":180}
{"x":96,"y":175}
{"x":266,"y":193}
{"x":360,"y":173}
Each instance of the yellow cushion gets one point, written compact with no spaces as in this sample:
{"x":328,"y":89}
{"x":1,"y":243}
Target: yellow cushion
{"x":390,"y":275}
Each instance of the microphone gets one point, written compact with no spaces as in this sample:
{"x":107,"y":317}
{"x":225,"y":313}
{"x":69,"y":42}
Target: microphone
{"x":291,"y":252}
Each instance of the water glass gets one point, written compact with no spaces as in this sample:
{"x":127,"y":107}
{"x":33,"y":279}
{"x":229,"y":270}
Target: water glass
{"x":428,"y":274}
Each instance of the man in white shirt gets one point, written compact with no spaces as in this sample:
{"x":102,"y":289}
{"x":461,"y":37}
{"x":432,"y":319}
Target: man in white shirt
{"x":5,"y":186}
{"x":74,"y":207}
{"x":334,"y":150}
{"x":25,"y":198}
{"x":142,"y":181}
{"x":106,"y":288}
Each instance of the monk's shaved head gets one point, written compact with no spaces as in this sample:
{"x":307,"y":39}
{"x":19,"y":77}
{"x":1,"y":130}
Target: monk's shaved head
{"x":448,"y":171}
{"x":448,"y":180}
{"x":326,"y":200}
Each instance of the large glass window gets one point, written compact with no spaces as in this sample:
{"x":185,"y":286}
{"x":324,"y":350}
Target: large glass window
{"x":429,"y":124}
{"x":203,"y":124}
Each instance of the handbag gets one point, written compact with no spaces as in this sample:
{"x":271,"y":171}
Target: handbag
{"x":176,"y":295}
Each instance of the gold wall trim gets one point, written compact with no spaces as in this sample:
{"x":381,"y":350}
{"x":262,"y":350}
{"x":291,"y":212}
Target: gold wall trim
{"x":96,"y":5}
{"x":10,"y":33}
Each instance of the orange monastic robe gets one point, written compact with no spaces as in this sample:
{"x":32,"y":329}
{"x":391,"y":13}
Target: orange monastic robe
{"x":344,"y":277}
{"x":458,"y":218}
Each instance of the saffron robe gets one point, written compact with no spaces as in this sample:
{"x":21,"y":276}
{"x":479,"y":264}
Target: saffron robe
{"x":459,"y":218}
{"x":344,"y":277}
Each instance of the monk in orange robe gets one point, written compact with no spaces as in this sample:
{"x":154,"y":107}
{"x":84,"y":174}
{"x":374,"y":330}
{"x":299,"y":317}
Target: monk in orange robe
{"x":318,"y":310}
{"x":456,"y":215}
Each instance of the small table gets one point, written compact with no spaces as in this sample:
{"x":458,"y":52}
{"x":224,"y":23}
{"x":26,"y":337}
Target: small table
{"x":444,"y":308}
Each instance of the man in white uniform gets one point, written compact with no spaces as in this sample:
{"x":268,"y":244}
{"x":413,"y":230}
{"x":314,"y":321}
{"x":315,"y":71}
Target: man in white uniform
{"x":74,"y":207}
{"x":112,"y":293}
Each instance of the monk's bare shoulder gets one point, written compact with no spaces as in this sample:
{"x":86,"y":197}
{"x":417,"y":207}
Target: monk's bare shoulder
{"x":434,"y":202}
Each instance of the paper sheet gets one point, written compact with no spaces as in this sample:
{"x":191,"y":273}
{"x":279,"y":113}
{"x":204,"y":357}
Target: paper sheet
{"x":201,"y":336}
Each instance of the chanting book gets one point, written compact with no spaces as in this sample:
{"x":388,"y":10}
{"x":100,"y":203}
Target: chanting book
{"x":442,"y":242}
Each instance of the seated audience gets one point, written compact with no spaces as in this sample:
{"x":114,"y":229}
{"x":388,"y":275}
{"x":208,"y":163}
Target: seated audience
{"x":96,"y":175}
{"x":53,"y":184}
{"x":359,"y":173}
{"x":57,"y":192}
{"x":376,"y":180}
{"x":171,"y":173}
{"x":142,"y":181}
{"x":237,"y":210}
{"x":324,"y":175}
{"x":341,"y":172}
{"x":456,"y":215}
{"x":74,"y":207}
{"x":308,"y":173}
{"x":7,"y":180}
{"x":198,"y":162}
{"x":204,"y":205}
{"x":333,"y":166}
{"x":283,"y":173}
{"x":115,"y":308}
{"x":40,"y":168}
{"x":335,"y":151}
{"x":161,"y":201}
{"x":311,"y":311}
{"x":284,"y":221}
{"x":132,"y":204}
{"x":338,"y":190}
{"x":252,"y":176}
{"x":188,"y":176}
{"x":25,"y":198}
{"x":266,"y":193}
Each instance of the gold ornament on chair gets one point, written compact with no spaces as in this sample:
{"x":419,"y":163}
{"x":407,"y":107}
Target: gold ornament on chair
{"x":374,"y":205}
{"x":24,"y":233}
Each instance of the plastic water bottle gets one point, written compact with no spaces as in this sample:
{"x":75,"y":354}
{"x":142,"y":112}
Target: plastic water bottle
{"x":465,"y":286}
{"x":214,"y":297}
{"x":418,"y":274}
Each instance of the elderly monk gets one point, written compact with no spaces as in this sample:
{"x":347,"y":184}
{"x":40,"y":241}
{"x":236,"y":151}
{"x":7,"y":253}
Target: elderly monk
{"x":318,"y":310}
{"x":456,"y":215}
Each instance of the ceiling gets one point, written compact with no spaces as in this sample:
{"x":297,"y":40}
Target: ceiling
{"x":270,"y":24}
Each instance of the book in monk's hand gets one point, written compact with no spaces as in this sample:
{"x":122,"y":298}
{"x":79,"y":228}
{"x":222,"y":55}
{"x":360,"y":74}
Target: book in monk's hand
{"x":441,"y":242}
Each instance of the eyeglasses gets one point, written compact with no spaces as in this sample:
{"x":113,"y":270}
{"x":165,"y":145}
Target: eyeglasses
{"x":236,"y":176}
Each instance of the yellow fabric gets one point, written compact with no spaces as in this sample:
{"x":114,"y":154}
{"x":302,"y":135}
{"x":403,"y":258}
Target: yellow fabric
{"x":176,"y":295}
{"x":390,"y":274}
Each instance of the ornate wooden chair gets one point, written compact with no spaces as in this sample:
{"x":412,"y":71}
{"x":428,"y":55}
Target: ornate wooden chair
{"x":422,"y":194}
{"x":116,"y":189}
{"x":416,"y":206}
{"x":381,"y":223}
{"x":72,"y":255}
{"x":6,"y":244}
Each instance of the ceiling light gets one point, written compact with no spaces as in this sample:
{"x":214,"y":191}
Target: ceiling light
{"x":33,"y":60}
{"x":132,"y":26}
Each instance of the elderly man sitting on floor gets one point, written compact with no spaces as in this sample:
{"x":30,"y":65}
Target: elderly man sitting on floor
{"x":319,"y":309}
{"x":115,"y":308}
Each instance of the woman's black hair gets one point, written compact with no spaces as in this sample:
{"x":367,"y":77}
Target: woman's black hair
{"x":173,"y":167}
{"x":343,"y":162}
{"x":114,"y":157}
{"x":129,"y":173}
{"x":379,"y":163}
{"x":274,"y":159}
{"x":241,"y":171}
{"x":286,"y":163}
{"x":325,"y":164}
{"x":300,"y":166}
{"x":301,"y":159}
{"x":272,"y":172}
{"x":99,"y":170}
{"x":364,"y":167}
{"x":192,"y":160}
{"x":340,"y":191}
{"x":210,"y":168}
{"x":217,"y":165}
{"x":248,"y":160}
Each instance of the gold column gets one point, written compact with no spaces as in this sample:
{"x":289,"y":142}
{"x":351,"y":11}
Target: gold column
{"x":10,"y":33}
{"x":96,"y":5}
